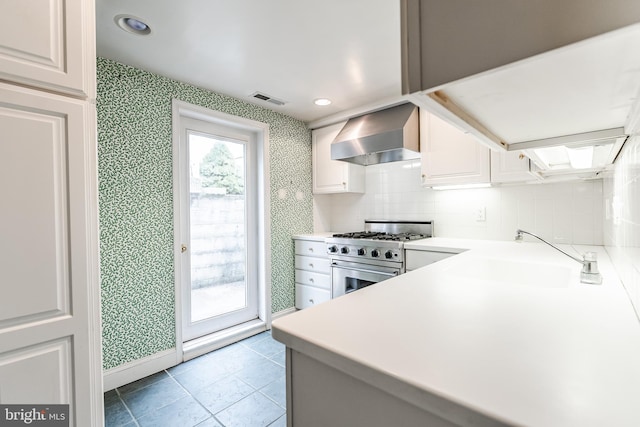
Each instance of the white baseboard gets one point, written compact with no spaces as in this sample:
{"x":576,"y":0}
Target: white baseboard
{"x":283,"y":313}
{"x":137,"y":369}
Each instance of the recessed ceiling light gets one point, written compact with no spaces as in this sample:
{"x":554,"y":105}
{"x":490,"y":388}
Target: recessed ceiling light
{"x":322,"y":101}
{"x":132,"y":24}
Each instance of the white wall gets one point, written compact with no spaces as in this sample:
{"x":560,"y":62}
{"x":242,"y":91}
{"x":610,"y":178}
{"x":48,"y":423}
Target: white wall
{"x":570,"y":212}
{"x":622,"y":218}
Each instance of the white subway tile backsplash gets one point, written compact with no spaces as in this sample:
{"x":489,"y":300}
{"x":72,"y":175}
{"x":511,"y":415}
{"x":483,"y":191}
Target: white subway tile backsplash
{"x":583,"y":230}
{"x":544,"y":218}
{"x":622,"y":217}
{"x":562,"y":224}
{"x":568,"y":212}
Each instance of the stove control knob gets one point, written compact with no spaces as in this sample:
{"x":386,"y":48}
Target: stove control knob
{"x":333,"y":249}
{"x":344,"y":250}
{"x":388,"y":255}
{"x":361,"y":251}
{"x":375,"y":253}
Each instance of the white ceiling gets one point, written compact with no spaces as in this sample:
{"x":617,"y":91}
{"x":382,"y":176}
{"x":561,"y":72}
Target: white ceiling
{"x":293,"y":50}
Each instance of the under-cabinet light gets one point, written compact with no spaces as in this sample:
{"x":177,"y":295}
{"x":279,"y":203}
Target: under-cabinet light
{"x":461,"y":186}
{"x":581,"y":158}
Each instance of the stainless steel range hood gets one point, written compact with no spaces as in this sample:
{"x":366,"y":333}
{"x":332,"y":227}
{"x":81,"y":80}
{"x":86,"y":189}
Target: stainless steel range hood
{"x":383,"y":136}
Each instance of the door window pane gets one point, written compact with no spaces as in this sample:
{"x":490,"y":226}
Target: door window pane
{"x":218,"y":226}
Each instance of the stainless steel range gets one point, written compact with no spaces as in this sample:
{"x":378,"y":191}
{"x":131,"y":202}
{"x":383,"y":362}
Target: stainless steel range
{"x":362,"y":258}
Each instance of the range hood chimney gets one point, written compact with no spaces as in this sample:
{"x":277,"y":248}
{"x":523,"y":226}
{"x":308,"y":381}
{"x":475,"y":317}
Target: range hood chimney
{"x":383,"y":136}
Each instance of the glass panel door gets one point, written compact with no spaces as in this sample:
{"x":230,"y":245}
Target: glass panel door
{"x":220,"y":289}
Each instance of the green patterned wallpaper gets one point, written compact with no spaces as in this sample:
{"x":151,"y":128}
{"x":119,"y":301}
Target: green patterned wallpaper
{"x":136,"y":203}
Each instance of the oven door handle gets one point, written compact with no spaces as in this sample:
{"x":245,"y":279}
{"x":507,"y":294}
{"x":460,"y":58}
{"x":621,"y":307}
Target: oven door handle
{"x":362,"y":270}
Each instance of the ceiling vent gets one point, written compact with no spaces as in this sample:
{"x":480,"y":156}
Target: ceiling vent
{"x":267,"y":98}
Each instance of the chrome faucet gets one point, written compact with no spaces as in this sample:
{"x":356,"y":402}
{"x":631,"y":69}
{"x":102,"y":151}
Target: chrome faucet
{"x":589,"y":261}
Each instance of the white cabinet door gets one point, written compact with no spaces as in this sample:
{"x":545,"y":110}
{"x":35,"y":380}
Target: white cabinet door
{"x":333,"y":176}
{"x":449,"y":156}
{"x":307,"y":296}
{"x":511,"y":166}
{"x":320,"y":265}
{"x":311,"y":248}
{"x":49,"y":308}
{"x":313,"y":278}
{"x":48,"y":44}
{"x":416,"y":259}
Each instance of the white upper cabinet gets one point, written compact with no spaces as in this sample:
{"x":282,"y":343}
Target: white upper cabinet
{"x":512,"y":166}
{"x":449,"y":156}
{"x":51,"y":45}
{"x":333,"y":176}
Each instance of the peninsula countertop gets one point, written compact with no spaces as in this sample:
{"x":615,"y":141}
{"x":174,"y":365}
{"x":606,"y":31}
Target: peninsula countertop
{"x":474,"y":341}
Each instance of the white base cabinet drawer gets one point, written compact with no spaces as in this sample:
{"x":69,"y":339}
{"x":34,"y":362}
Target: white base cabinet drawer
{"x":320,"y":265}
{"x":417,"y":259}
{"x":310,"y":248}
{"x":313,"y":279}
{"x":308,"y":296}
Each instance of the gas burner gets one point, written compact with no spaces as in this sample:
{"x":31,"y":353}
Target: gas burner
{"x":400,"y":236}
{"x":360,"y":235}
{"x":377,"y":235}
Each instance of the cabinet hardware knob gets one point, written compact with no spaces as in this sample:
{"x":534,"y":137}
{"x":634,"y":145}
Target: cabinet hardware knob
{"x":311,"y":279}
{"x":310,"y":265}
{"x":521,"y":156}
{"x":311,"y":300}
{"x":183,"y":248}
{"x":310,"y":249}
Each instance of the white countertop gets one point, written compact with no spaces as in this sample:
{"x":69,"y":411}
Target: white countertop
{"x":463,"y":345}
{"x":316,"y":237}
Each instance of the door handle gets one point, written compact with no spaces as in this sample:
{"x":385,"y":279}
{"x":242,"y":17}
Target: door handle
{"x":183,"y":248}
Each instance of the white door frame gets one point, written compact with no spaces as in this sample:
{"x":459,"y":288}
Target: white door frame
{"x":192,"y":330}
{"x":261,"y":132}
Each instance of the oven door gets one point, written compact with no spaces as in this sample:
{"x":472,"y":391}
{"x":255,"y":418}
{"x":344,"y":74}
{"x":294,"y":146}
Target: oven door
{"x":347,"y":277}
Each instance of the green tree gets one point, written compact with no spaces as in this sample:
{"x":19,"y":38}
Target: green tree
{"x":218,"y":169}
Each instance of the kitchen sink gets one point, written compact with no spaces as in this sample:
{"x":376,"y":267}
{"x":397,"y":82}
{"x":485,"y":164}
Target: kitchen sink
{"x":515,"y":272}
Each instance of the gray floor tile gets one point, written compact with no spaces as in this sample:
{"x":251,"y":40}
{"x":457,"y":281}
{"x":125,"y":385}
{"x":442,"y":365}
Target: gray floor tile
{"x":280,"y":358}
{"x":280,"y":422}
{"x":188,"y":365}
{"x":267,"y":347}
{"x":223,"y":382}
{"x":111,"y":397}
{"x":254,"y":410}
{"x":116,"y":414}
{"x":255,"y":338}
{"x":276,"y":391}
{"x":261,"y":373}
{"x":153,"y":397}
{"x":144,"y":382}
{"x":222,"y":394}
{"x":222,"y":351}
{"x":210,"y":422}
{"x":195,"y":379}
{"x":186,"y":412}
{"x":235,"y":358}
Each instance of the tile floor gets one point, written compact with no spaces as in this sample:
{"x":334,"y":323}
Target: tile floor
{"x":242,"y":384}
